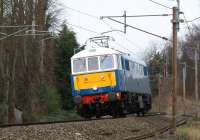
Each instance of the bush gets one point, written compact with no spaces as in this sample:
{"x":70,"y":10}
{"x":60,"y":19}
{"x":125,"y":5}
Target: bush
{"x":63,"y":116}
{"x":50,"y":99}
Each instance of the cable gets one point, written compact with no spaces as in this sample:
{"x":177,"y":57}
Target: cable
{"x":128,"y":40}
{"x":90,"y":15}
{"x":124,"y":48}
{"x":32,"y":35}
{"x":160,"y":4}
{"x":1,"y":33}
{"x":80,"y":27}
{"x":193,"y":19}
{"x":95,"y":17}
{"x":13,"y":34}
{"x":138,"y":16}
{"x":188,"y":27}
{"x":98,"y":34}
{"x":18,"y":26}
{"x":121,"y":36}
{"x":141,"y":30}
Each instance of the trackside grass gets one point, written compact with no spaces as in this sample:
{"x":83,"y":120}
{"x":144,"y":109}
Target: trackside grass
{"x":190,"y":131}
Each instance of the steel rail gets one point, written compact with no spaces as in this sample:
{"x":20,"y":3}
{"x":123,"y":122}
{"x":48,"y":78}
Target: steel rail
{"x":74,"y":121}
{"x":157,"y":132}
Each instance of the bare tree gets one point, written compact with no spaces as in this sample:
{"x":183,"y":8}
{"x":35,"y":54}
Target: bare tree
{"x":23,"y":66}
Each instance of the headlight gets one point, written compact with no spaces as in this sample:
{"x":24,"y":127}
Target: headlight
{"x":94,"y":88}
{"x":118,"y":95}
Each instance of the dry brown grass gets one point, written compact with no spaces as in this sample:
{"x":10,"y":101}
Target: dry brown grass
{"x":191,"y":131}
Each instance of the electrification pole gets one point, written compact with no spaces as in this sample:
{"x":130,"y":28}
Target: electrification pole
{"x":165,"y":73}
{"x":175,"y":22}
{"x":196,"y":77}
{"x":33,"y":17}
{"x":125,"y":22}
{"x":184,"y":90}
{"x":159,"y":92}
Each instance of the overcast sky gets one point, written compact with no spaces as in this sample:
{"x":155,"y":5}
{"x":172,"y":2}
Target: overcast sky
{"x":133,"y":40}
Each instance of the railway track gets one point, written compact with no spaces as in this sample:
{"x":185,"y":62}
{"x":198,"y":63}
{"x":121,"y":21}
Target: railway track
{"x":77,"y":120}
{"x":151,"y":126}
{"x":160,"y":129}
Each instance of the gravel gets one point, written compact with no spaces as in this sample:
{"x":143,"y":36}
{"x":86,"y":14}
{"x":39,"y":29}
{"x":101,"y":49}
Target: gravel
{"x":107,"y":129}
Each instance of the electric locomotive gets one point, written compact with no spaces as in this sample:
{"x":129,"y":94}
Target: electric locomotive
{"x":106,"y":81}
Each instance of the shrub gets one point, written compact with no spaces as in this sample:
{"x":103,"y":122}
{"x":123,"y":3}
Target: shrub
{"x":50,"y":99}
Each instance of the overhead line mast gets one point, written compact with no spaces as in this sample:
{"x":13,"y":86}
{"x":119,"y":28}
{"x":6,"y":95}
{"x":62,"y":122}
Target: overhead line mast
{"x":126,"y":25}
{"x":175,"y":22}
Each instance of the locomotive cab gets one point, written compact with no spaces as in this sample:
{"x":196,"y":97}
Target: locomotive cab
{"x":94,"y":73}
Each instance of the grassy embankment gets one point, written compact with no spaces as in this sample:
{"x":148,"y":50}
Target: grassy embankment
{"x":190,"y":131}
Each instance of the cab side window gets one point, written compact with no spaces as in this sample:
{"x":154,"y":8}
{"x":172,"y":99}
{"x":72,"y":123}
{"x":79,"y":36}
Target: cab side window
{"x":127,"y":65}
{"x":145,"y":71}
{"x":123,"y":63}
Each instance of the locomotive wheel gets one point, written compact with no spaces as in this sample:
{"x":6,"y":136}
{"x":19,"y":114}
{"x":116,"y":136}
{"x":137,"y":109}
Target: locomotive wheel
{"x":143,"y":113}
{"x":138,"y":114}
{"x":121,"y":110}
{"x":86,"y":112}
{"x":98,"y":110}
{"x":117,"y":110}
{"x":114,"y":108}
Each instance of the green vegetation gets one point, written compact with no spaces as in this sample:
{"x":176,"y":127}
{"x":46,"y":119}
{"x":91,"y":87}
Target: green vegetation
{"x":65,"y":45}
{"x":54,"y":100}
{"x":50,"y":104}
{"x":62,"y":116}
{"x":50,"y":99}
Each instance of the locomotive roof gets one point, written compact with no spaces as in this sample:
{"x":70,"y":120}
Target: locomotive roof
{"x":97,"y":51}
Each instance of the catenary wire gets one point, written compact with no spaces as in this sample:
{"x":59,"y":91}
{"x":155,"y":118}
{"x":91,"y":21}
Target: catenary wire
{"x":193,"y":20}
{"x":95,"y":17}
{"x":188,"y":27}
{"x":141,"y":30}
{"x":99,"y":34}
{"x":83,"y":13}
{"x":128,"y":40}
{"x":120,"y":35}
{"x":160,"y":4}
{"x":83,"y":28}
